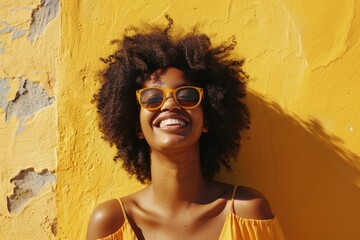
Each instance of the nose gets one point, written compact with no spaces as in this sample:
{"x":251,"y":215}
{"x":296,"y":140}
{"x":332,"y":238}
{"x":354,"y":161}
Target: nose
{"x":170,"y":103}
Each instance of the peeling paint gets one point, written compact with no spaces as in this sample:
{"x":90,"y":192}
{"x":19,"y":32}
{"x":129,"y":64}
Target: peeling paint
{"x":2,"y":49}
{"x":29,"y":99}
{"x":19,"y":8}
{"x":28,"y":184}
{"x":15,"y":32}
{"x":29,"y":60}
{"x":41,"y":16}
{"x":6,"y":27}
{"x":4,"y":90}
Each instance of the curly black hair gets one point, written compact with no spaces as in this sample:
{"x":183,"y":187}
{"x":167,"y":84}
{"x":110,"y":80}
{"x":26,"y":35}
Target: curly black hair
{"x":141,"y":53}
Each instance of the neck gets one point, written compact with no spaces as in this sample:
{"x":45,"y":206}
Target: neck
{"x":176,"y":179}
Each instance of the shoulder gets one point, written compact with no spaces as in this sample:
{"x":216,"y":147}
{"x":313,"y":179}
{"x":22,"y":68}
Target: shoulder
{"x":105,"y":220}
{"x":251,"y":204}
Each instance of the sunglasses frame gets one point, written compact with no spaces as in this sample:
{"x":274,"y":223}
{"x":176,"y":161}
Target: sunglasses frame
{"x":173,"y":91}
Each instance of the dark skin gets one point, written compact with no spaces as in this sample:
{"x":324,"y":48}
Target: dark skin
{"x":179,"y":202}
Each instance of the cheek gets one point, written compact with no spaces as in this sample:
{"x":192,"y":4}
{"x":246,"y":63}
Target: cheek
{"x":142,"y":117}
{"x":198,"y":120}
{"x":145,"y":118}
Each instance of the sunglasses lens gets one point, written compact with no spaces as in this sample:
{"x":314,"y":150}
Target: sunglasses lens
{"x":188,"y":97}
{"x":151,"y":98}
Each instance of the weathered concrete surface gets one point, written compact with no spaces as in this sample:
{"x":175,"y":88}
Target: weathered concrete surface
{"x":29,"y":60}
{"x":28,"y":184}
{"x":29,"y":99}
{"x":15,"y":32}
{"x":41,"y":16}
{"x":4,"y":90}
{"x":2,"y":48}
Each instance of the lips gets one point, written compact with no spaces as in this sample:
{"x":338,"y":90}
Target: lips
{"x":172,"y":122}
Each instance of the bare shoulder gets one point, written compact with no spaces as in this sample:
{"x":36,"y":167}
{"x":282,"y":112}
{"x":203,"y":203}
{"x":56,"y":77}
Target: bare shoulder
{"x":105,"y":220}
{"x":249,"y":203}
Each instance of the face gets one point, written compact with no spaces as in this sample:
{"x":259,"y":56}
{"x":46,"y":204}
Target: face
{"x":171,"y":128}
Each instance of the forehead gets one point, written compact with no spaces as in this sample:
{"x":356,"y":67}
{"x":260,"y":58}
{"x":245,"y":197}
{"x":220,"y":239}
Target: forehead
{"x":170,"y":78}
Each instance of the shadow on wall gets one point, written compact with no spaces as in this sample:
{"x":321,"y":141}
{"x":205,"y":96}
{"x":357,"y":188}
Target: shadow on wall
{"x":312,"y":183}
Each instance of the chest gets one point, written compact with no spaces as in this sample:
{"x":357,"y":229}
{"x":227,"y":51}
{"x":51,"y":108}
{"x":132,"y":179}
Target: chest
{"x":179,"y":227}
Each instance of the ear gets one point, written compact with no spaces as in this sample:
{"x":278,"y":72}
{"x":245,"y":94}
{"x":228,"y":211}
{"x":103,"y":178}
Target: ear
{"x":140,"y":135}
{"x":138,"y":131}
{"x":206,"y":126}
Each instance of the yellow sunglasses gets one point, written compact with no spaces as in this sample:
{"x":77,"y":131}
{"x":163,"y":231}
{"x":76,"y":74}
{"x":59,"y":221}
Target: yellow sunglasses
{"x":153,"y":98}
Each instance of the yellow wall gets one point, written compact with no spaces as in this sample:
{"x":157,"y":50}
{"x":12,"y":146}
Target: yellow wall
{"x":29,"y":47}
{"x":303,"y":148}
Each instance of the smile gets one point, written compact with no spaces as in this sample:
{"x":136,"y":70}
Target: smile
{"x":172,"y":122}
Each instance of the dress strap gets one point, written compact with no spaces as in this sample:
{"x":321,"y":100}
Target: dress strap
{"x":232,"y":209}
{"x":122,"y":209}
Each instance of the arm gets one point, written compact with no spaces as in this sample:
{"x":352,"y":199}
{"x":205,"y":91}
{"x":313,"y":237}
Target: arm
{"x":251,"y":204}
{"x":105,"y":220}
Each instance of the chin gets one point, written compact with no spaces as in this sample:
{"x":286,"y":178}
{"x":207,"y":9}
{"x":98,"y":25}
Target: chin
{"x":175,"y":144}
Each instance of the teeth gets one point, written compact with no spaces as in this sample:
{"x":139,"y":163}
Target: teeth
{"x":172,"y":121}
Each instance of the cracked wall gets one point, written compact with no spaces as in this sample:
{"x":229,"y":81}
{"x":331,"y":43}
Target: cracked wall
{"x":28,"y":184}
{"x":302,"y":150}
{"x":29,"y":99}
{"x":29,"y":44}
{"x":41,"y":16}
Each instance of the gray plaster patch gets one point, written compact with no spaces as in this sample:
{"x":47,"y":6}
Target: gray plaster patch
{"x":16,"y":33}
{"x":4,"y":90}
{"x":7,"y":28}
{"x":29,"y":99}
{"x":2,"y":49}
{"x":19,"y":8}
{"x":41,"y":16}
{"x":28,"y":184}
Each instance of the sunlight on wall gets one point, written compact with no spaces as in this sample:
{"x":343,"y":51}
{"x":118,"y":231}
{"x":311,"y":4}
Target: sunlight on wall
{"x":302,"y":150}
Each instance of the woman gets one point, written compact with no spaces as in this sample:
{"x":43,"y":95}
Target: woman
{"x":172,"y":106}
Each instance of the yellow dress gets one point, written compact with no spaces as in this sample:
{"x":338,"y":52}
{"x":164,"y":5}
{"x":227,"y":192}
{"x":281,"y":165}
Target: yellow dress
{"x":234,"y":227}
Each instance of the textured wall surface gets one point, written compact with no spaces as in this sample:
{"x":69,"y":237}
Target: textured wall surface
{"x":303,"y":148}
{"x":29,"y":49}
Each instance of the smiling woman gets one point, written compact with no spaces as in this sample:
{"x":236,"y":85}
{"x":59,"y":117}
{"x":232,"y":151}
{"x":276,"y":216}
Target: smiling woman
{"x":173,"y":129}
{"x":173,"y":107}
